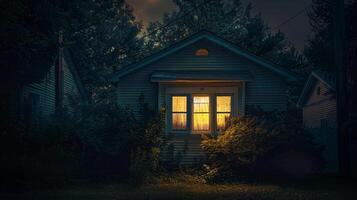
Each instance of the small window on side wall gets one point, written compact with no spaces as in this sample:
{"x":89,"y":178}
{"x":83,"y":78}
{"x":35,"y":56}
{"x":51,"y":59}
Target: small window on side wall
{"x":179,"y":112}
{"x":318,"y":90}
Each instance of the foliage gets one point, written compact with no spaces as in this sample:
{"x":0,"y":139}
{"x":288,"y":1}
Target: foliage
{"x":102,"y":35}
{"x":261,"y":145}
{"x":27,"y":44}
{"x":103,"y":142}
{"x":37,"y":155}
{"x":105,"y":33}
{"x":320,"y":50}
{"x":231,"y":20}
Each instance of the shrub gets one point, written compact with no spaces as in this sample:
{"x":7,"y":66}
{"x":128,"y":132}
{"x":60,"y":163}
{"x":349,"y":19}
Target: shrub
{"x":263,"y":145}
{"x":104,"y":142}
{"x":37,"y":155}
{"x":116,"y":143}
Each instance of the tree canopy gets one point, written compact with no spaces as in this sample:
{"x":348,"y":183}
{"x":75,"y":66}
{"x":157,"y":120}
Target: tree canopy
{"x":104,"y":33}
{"x":229,"y":19}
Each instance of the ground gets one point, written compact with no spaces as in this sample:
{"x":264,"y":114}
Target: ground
{"x":168,"y":189}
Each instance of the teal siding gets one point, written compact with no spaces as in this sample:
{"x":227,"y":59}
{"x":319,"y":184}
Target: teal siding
{"x":268,"y":90}
{"x":184,"y":149}
{"x":46,"y":91}
{"x":71,"y":95}
{"x":319,"y":117}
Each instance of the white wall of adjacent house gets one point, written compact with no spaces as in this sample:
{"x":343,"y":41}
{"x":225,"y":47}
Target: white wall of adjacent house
{"x":319,"y":117}
{"x":38,"y":100}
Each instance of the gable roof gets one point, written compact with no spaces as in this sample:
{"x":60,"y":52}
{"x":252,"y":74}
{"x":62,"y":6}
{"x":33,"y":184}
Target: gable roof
{"x":73,"y":67}
{"x":323,"y":77}
{"x":289,"y":76}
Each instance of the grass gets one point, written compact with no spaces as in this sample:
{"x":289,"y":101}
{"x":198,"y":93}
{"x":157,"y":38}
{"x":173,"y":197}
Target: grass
{"x":192,"y":189}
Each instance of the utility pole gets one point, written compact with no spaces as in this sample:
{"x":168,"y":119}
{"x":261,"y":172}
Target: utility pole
{"x":342,"y":103}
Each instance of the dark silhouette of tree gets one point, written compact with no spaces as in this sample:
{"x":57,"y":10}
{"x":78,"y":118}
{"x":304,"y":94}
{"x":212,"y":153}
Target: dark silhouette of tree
{"x":102,"y":35}
{"x":231,"y":20}
{"x":319,"y":50}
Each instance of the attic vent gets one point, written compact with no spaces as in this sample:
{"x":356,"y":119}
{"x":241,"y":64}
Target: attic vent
{"x":202,"y":52}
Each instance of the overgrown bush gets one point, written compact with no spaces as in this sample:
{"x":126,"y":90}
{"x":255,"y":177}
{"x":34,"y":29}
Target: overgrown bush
{"x":102,"y":142}
{"x":264,"y":145}
{"x":37,"y":155}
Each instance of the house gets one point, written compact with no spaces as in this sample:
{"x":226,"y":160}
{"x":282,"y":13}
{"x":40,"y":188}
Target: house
{"x":318,"y":102}
{"x":47,"y":89}
{"x":199,"y":82}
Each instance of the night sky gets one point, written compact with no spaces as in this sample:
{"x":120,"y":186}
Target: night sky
{"x":274,"y":12}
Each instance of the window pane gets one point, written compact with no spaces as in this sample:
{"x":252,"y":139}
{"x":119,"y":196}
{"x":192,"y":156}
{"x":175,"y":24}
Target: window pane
{"x":223,"y":103}
{"x":179,"y":121}
{"x":179,"y":104}
{"x":201,"y":113}
{"x":201,"y":104}
{"x":222,"y":119}
{"x":201,"y":122}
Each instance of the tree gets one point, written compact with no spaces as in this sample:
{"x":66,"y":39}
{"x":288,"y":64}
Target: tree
{"x":229,"y":19}
{"x":323,"y":53}
{"x":102,"y":35}
{"x":232,"y":21}
{"x":319,"y":50}
{"x":27,"y":42}
{"x":105,"y":33}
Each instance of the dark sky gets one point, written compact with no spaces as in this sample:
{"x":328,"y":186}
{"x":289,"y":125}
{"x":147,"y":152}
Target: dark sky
{"x":274,"y":12}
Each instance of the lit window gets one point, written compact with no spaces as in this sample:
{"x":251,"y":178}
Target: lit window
{"x":179,"y":112}
{"x":223,"y":111}
{"x":201,"y":113}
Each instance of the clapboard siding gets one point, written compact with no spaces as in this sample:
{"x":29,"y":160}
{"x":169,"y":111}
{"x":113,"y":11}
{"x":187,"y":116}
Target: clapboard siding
{"x":187,"y":150}
{"x":46,"y":91}
{"x":319,"y":107}
{"x":319,"y":117}
{"x":268,"y":90}
{"x":70,"y":88}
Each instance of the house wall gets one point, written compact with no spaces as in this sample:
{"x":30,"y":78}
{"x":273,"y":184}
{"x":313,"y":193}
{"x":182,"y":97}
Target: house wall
{"x":319,"y":107}
{"x":71,"y":95}
{"x":268,"y":90}
{"x":319,"y":116}
{"x":45,"y":91}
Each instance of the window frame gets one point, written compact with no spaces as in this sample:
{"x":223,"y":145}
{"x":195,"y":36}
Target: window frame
{"x":190,"y":92}
{"x":187,"y":112}
{"x":209,"y":113}
{"x":216,"y":112}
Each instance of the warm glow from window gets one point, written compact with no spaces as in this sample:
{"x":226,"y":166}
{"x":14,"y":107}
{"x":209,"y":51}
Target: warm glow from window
{"x":223,"y":110}
{"x":201,"y":113}
{"x":179,"y":112}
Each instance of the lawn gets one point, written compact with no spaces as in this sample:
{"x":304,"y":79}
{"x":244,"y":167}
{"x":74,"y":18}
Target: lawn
{"x":332,"y":189}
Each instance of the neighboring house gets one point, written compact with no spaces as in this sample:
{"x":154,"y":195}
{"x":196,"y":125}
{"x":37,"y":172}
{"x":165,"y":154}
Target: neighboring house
{"x":199,"y":82}
{"x":58,"y":87}
{"x":318,"y":101}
